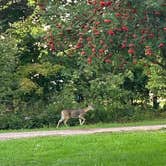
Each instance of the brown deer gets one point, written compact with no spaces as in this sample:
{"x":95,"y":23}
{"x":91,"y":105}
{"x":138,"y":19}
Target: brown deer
{"x":68,"y":114}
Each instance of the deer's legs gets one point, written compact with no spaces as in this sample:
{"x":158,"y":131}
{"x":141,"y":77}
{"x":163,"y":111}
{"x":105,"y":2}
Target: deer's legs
{"x":65,"y":122}
{"x":82,"y":120}
{"x":59,"y":122}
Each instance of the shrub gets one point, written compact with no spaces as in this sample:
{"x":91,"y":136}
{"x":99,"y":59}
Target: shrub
{"x":51,"y":114}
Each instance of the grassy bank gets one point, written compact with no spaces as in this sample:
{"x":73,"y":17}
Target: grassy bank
{"x":118,"y":149}
{"x":98,"y":125}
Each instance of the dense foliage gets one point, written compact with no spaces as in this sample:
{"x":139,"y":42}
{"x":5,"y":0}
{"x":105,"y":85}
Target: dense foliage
{"x":66,"y":54}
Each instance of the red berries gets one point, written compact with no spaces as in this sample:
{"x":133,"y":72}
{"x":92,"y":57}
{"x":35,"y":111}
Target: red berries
{"x":93,"y":50}
{"x":131,"y":45}
{"x":107,"y":21}
{"x":101,"y":42}
{"x":125,"y":28}
{"x":89,"y":60}
{"x":97,"y":32}
{"x":118,"y":15}
{"x":131,"y":51}
{"x":151,"y":35}
{"x":105,"y":4}
{"x":134,"y":36}
{"x":52,"y":46}
{"x":161,"y":45}
{"x":111,"y":32}
{"x":51,"y":42}
{"x":101,"y":51}
{"x":114,"y":27}
{"x":107,"y":60}
{"x":123,"y":45}
{"x":148,"y":51}
{"x":79,"y":45}
{"x":83,"y":53}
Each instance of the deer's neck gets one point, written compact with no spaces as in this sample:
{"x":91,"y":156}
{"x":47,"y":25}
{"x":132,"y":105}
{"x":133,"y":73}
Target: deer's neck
{"x":86,"y":109}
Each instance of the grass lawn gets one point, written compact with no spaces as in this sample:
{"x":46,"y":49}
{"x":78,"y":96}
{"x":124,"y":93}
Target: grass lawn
{"x":98,"y":125}
{"x":111,"y":149}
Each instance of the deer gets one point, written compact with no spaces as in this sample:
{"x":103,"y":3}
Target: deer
{"x":68,"y":114}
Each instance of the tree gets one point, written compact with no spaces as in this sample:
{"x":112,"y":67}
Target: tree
{"x":116,"y":32}
{"x":38,"y":75}
{"x":67,"y":53}
{"x":8,"y":65}
{"x":13,"y":11}
{"x":157,"y":84}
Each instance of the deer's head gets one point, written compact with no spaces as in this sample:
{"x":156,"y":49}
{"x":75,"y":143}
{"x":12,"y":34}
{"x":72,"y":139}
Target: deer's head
{"x":90,"y":107}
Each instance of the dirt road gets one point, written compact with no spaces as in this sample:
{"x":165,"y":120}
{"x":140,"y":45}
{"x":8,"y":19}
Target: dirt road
{"x":16,"y":135}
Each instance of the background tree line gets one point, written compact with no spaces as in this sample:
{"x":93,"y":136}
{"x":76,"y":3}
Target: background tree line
{"x":57,"y":54}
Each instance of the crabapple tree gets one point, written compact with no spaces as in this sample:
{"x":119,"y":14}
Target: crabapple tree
{"x":116,"y":32}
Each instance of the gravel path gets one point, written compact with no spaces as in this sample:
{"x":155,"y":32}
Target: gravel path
{"x":16,"y":135}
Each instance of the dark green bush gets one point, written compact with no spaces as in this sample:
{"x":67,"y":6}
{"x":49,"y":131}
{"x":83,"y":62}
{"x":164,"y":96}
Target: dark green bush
{"x":11,"y":121}
{"x":50,"y":115}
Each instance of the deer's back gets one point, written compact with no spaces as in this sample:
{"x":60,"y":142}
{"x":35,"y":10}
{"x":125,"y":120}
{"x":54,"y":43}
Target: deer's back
{"x":73,"y":113}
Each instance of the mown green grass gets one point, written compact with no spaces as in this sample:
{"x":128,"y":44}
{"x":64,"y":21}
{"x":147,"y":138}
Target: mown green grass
{"x":111,"y":149}
{"x":98,"y":125}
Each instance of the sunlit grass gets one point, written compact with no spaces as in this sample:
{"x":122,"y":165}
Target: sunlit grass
{"x":111,"y":149}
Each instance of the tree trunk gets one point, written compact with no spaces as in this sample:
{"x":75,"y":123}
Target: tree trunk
{"x":155,"y":102}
